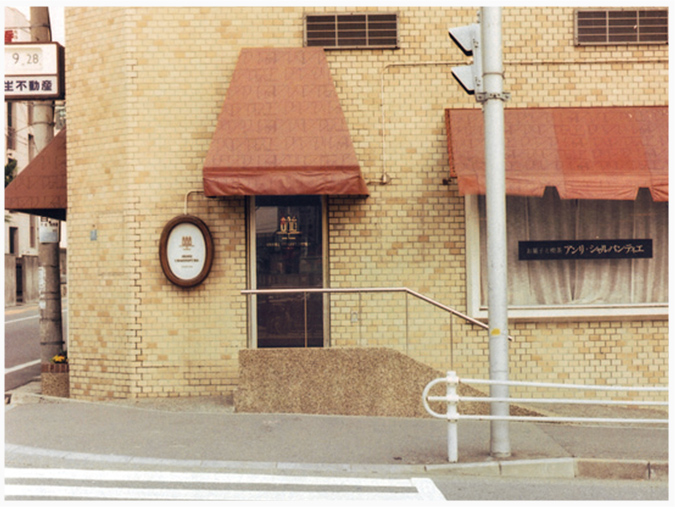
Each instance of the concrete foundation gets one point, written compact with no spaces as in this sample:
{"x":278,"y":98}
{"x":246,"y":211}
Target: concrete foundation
{"x":359,"y":381}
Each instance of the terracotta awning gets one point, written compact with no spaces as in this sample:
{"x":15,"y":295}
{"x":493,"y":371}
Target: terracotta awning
{"x":282,"y":130}
{"x":41,"y":188}
{"x":586,"y":153}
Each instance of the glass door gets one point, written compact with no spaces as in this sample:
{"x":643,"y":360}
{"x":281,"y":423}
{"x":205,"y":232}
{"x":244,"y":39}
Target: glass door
{"x":289,"y":254}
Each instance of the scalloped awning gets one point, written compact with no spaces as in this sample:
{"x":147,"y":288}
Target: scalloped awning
{"x":586,"y":153}
{"x":282,"y":130}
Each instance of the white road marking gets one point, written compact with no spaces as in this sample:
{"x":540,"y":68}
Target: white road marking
{"x":21,"y":366}
{"x":21,"y":319}
{"x":63,"y":310}
{"x":197,"y":494}
{"x":401,"y":489}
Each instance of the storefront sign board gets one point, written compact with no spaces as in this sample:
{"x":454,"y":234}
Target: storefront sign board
{"x":585,"y":249}
{"x":34,"y":71}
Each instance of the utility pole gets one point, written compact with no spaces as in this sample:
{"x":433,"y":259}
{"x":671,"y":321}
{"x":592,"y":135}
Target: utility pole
{"x":484,"y":79}
{"x":495,"y":197}
{"x":51,"y":334}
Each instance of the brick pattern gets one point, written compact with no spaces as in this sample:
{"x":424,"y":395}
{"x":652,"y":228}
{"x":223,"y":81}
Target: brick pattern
{"x":145,"y":87}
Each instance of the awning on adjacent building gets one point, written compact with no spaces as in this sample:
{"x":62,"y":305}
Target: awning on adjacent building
{"x":586,"y":153}
{"x":282,"y":130}
{"x":41,"y":188}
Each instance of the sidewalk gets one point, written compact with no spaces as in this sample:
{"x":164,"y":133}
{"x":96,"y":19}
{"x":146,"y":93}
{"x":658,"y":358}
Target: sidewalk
{"x":205,"y":432}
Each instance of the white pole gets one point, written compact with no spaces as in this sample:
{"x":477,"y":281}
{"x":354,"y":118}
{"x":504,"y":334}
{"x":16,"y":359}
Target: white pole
{"x":452,"y":399}
{"x":493,"y":111}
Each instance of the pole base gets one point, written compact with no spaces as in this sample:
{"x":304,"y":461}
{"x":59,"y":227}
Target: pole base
{"x":55,"y":380}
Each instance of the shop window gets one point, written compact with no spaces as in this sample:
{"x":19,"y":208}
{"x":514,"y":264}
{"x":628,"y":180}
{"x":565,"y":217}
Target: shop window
{"x":349,"y":31}
{"x":569,"y":282}
{"x":621,"y":26}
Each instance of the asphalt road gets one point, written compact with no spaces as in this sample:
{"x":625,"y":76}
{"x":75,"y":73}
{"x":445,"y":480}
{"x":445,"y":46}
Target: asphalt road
{"x":22,"y":344}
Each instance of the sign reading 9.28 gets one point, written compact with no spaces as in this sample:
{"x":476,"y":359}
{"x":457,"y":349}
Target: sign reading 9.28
{"x":25,"y":59}
{"x":34,"y":71}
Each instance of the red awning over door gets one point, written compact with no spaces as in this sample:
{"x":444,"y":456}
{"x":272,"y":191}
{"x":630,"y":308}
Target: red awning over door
{"x":282,"y":130}
{"x":41,"y":188}
{"x":586,"y":153}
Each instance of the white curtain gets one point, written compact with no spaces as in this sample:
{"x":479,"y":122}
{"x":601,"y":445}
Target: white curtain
{"x":583,"y":281}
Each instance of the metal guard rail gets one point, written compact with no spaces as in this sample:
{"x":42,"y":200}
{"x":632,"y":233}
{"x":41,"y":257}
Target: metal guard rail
{"x":372,"y":290}
{"x":452,"y":399}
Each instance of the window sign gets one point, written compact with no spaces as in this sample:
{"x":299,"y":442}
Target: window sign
{"x":186,"y":251}
{"x":581,"y":249}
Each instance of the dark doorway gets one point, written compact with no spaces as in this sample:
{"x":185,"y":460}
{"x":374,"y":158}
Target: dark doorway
{"x":289,"y":255}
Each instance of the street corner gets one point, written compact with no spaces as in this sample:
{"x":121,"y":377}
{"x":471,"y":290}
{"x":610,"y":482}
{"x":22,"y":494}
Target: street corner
{"x":29,"y":394}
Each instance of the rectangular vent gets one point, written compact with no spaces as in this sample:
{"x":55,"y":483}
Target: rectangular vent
{"x":621,"y":26}
{"x":349,"y":31}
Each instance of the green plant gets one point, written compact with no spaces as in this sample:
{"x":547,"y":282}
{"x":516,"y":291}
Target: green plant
{"x":10,"y":168}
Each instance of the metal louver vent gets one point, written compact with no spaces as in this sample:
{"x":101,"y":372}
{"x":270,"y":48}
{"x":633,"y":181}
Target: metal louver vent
{"x":348,"y":31}
{"x":621,"y":26}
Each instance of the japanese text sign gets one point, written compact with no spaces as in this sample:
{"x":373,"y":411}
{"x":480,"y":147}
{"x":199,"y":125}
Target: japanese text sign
{"x":34,"y":71}
{"x":585,"y":249}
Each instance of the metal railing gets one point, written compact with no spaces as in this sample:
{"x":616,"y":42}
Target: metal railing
{"x":452,"y":399}
{"x":407,"y":291}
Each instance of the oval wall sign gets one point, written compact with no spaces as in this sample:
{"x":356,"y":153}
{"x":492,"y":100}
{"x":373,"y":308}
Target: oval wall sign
{"x":186,"y":251}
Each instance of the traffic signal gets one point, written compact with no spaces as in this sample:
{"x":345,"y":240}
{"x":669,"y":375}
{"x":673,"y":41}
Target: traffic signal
{"x":468,"y":38}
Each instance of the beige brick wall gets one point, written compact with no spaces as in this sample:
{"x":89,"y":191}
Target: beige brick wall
{"x":145,"y":87}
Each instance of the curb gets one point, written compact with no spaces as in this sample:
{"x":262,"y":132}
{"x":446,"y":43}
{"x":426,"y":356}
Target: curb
{"x":559,"y":468}
{"x":624,"y":469}
{"x":562,"y":468}
{"x":18,"y":397}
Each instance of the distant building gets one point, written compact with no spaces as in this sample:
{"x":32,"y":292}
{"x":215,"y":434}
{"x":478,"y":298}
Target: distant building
{"x":320,"y":147}
{"x":21,"y":229}
{"x":21,"y":239}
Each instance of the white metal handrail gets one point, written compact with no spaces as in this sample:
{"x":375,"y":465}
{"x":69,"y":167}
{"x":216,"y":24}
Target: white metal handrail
{"x":452,"y":399}
{"x":405,"y":290}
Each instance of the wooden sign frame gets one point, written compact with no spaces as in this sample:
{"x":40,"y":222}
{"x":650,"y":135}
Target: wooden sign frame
{"x":186,"y":251}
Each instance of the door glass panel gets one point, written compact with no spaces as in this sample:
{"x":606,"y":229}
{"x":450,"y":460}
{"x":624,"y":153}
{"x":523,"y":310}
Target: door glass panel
{"x":289,"y":254}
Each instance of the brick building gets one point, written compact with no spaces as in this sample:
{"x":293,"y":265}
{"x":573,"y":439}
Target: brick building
{"x":351,"y":167}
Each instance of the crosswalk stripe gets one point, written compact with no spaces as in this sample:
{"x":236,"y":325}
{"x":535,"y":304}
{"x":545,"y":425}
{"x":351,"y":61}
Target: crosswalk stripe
{"x":428,"y":490}
{"x":159,"y":476}
{"x":407,"y":489}
{"x":198,"y":494}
